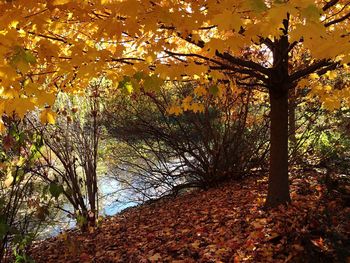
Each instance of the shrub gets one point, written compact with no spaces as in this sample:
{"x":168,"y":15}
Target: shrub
{"x":70,"y":155}
{"x":159,"y":153}
{"x":22,"y":208}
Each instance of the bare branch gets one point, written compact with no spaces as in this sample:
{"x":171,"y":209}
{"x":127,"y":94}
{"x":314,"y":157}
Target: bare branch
{"x":226,"y":66}
{"x":338,"y":20}
{"x":243,"y":63}
{"x":310,"y":69}
{"x":329,"y":4}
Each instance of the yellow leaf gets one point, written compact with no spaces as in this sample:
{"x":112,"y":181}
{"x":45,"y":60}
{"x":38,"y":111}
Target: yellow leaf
{"x":187,"y":100}
{"x":331,"y":74}
{"x":257,"y":6}
{"x":9,"y":180}
{"x":311,"y":12}
{"x":328,"y":88}
{"x":303,"y":83}
{"x":20,"y":106}
{"x":149,"y":59}
{"x":236,"y":43}
{"x":2,"y":126}
{"x":314,"y":76}
{"x":186,"y":103}
{"x":197,"y":107}
{"x":48,"y":116}
{"x":196,"y":244}
{"x":215,"y":44}
{"x":60,"y":2}
{"x":194,"y":69}
{"x":227,"y":21}
{"x":200,"y":91}
{"x":30,"y":88}
{"x":176,"y":110}
{"x":45,"y":98}
{"x":332,"y":104}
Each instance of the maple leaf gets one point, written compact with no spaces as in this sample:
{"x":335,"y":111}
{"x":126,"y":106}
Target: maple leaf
{"x":47,"y":116}
{"x":200,"y":91}
{"x":155,"y":258}
{"x":331,"y":75}
{"x":59,"y":2}
{"x":177,"y":110}
{"x":227,"y":21}
{"x":197,"y":107}
{"x":8,"y":142}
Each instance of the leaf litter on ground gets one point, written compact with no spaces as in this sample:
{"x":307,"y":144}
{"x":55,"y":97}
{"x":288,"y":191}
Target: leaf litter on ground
{"x":224,"y":224}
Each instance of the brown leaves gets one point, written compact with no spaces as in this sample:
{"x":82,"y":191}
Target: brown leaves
{"x":226,"y":224}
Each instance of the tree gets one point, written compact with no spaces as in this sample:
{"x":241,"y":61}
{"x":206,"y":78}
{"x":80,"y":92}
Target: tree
{"x":257,"y":40}
{"x":211,"y":41}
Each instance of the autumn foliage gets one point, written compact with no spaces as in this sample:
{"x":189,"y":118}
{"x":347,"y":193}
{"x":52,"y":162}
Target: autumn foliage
{"x":261,"y":62}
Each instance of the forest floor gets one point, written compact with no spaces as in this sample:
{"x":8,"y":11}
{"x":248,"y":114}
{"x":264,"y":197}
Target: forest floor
{"x":224,"y":224}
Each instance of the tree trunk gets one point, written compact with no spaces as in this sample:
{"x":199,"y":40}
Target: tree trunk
{"x":278,"y":188}
{"x":294,"y":156}
{"x":292,"y":127}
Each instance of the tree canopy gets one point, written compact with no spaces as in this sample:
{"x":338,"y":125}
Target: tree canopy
{"x":48,"y":45}
{"x":271,"y":46}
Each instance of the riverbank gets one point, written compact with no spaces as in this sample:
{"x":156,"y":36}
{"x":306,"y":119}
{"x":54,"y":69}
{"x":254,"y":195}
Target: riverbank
{"x":224,"y":224}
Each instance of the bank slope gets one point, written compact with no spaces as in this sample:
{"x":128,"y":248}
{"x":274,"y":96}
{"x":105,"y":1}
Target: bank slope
{"x":224,"y":224}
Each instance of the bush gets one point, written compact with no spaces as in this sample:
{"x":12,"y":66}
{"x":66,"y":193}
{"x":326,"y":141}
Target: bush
{"x":70,"y":155}
{"x":158,"y":153}
{"x":22,"y":208}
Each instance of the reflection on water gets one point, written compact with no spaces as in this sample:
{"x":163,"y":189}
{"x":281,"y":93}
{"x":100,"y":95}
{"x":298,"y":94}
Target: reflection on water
{"x":113,"y":199}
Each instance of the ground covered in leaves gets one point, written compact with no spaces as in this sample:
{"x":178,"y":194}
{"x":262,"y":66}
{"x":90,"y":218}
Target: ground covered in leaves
{"x":224,"y":224}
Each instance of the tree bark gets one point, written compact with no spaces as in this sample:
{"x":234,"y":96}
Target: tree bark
{"x":292,"y":126}
{"x":278,"y":188}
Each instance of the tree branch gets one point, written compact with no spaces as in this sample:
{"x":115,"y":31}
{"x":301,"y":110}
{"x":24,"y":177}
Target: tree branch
{"x":243,"y":63}
{"x":48,"y":37}
{"x":222,"y":66}
{"x":310,"y":69}
{"x":337,"y":20}
{"x":330,"y":67}
{"x":329,"y":4}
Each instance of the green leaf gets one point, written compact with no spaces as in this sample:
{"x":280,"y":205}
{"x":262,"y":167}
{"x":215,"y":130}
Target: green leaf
{"x":4,"y":227}
{"x":34,"y":152}
{"x":29,"y":57}
{"x":214,"y":90}
{"x":128,"y":88}
{"x":22,"y":58}
{"x":126,"y":85}
{"x":257,"y":5}
{"x":20,"y":173}
{"x":81,"y":220}
{"x":55,"y":190}
{"x":139,"y":75}
{"x":38,"y":139}
{"x":152,"y":83}
{"x":312,"y":13}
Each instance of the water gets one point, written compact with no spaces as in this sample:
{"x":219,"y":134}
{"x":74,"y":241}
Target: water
{"x":113,"y":199}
